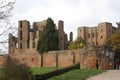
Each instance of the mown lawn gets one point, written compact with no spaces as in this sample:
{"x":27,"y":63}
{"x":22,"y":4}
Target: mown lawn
{"x":39,"y":70}
{"x":79,"y":74}
{"x":0,"y":69}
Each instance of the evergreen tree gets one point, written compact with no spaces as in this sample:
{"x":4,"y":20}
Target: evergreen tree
{"x":48,"y":40}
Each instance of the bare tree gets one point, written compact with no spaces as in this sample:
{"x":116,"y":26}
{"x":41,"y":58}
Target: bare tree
{"x":5,"y":26}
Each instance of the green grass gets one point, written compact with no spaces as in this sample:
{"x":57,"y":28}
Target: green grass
{"x":0,"y":69}
{"x":42,"y":70}
{"x":79,"y":74}
{"x":39,"y":70}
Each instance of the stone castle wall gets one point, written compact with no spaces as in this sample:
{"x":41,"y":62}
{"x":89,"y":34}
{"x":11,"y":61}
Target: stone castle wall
{"x":87,"y":59}
{"x":2,"y":60}
{"x":96,"y":35}
{"x":31,"y":59}
{"x":23,"y":47}
{"x":61,"y":58}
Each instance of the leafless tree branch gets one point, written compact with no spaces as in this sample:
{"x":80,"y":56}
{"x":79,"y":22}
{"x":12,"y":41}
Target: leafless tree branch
{"x":5,"y":26}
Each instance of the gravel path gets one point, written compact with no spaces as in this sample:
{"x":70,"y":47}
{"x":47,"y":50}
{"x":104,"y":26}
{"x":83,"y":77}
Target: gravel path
{"x":108,"y":75}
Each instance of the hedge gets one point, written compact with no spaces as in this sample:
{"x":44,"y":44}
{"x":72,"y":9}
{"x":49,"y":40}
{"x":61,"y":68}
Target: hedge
{"x":56,"y":72}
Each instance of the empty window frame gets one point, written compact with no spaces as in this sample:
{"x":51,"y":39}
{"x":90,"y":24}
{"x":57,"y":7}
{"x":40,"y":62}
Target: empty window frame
{"x":20,"y":35}
{"x":20,"y":45}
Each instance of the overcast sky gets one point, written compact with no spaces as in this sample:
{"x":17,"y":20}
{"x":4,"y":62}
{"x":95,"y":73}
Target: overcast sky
{"x":74,"y":13}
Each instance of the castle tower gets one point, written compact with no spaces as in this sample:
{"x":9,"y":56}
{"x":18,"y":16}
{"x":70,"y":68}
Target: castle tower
{"x":104,"y":31}
{"x":23,"y":35}
{"x":83,"y":33}
{"x":34,"y":29}
{"x":118,"y":25}
{"x":12,"y":44}
{"x":61,"y":35}
{"x":71,"y":36}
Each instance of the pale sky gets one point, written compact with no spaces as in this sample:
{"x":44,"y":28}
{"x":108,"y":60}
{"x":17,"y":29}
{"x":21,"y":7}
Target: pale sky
{"x":74,"y":13}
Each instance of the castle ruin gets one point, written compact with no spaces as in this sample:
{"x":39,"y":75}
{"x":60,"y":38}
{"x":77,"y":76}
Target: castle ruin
{"x":97,"y":35}
{"x":23,"y":47}
{"x":28,"y":37}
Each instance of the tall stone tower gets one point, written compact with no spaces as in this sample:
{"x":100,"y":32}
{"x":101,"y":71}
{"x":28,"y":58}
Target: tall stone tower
{"x":118,"y":25}
{"x":23,"y":35}
{"x":61,"y":35}
{"x":12,"y":44}
{"x":71,"y":36}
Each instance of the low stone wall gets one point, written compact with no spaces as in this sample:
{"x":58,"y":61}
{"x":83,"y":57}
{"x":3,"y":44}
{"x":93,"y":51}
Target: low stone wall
{"x":2,"y":60}
{"x":32,"y":60}
{"x":49,"y":59}
{"x":98,"y":59}
{"x":62,"y":58}
{"x":88,"y":58}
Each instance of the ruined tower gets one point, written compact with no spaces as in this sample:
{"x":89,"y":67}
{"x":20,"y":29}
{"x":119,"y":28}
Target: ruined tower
{"x":28,"y":37}
{"x":12,"y":44}
{"x":118,"y":25}
{"x":96,"y":35}
{"x":71,"y":36}
{"x":23,"y":35}
{"x":61,"y":35}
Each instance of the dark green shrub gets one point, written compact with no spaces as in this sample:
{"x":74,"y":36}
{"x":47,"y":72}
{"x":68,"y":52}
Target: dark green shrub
{"x":13,"y":70}
{"x":56,"y":72}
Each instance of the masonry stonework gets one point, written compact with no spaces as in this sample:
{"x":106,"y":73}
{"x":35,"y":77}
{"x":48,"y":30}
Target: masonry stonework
{"x":49,"y":59}
{"x":98,"y":58}
{"x":63,"y":58}
{"x":96,"y":35}
{"x":2,"y":60}
{"x":23,"y":47}
{"x":28,"y":37}
{"x":30,"y":59}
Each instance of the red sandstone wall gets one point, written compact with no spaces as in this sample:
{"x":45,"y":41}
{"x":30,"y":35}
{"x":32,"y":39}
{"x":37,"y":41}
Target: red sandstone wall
{"x":62,"y":58}
{"x":77,"y":55}
{"x":49,"y":59}
{"x":2,"y":60}
{"x":65,"y":58}
{"x":32,"y":60}
{"x":105,"y":64}
{"x":89,"y":61}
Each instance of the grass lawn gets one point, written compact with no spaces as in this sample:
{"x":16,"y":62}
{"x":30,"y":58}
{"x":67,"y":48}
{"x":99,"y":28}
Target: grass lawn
{"x":0,"y":69}
{"x":39,"y":70}
{"x":42,"y":70}
{"x":79,"y":74}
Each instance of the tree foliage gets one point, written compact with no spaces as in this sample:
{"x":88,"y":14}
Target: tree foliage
{"x":48,"y":38}
{"x":114,"y":42}
{"x":13,"y":70}
{"x":78,"y":43}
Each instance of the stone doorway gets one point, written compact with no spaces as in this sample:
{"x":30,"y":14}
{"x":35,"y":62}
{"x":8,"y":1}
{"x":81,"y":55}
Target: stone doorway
{"x":97,"y":64}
